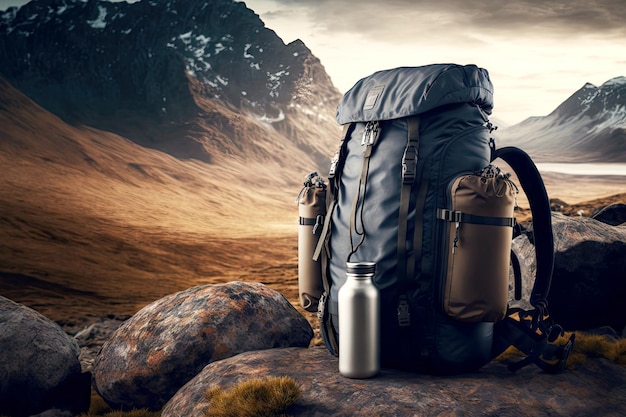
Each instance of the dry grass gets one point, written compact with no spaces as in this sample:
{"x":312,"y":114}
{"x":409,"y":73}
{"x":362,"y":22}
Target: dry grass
{"x":142,"y":412}
{"x":595,"y":346}
{"x":99,"y":408}
{"x":94,"y":224}
{"x":259,"y":397}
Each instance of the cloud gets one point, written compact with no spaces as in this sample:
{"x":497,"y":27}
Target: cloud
{"x":404,"y":20}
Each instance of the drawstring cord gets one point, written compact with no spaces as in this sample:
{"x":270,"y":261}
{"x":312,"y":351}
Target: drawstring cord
{"x":361,"y":233}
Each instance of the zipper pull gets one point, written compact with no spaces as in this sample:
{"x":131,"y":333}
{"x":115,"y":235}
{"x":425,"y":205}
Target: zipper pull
{"x":319,"y":221}
{"x":455,"y":243}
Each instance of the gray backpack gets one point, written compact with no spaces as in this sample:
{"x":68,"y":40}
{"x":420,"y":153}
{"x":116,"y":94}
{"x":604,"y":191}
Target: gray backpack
{"x":413,"y":189}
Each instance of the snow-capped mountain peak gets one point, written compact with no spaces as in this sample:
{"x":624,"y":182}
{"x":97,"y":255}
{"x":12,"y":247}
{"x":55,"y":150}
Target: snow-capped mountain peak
{"x":101,"y":63}
{"x":138,"y":50}
{"x":589,"y":126}
{"x":617,"y":81}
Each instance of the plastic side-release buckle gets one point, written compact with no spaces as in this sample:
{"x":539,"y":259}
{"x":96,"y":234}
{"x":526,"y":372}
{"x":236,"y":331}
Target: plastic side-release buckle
{"x":409,"y":164}
{"x":370,"y":133}
{"x":404,"y":312}
{"x":449,"y":215}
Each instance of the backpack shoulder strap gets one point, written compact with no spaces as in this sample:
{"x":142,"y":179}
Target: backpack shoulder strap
{"x":535,"y":190}
{"x":533,"y":332}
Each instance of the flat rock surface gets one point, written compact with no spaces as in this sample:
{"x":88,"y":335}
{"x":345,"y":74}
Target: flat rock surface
{"x":596,"y":388}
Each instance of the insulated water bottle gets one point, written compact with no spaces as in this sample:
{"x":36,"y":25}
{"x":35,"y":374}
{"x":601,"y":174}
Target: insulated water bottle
{"x":311,"y":209}
{"x":359,"y":322}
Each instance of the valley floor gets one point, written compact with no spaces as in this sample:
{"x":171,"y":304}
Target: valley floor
{"x":76,"y":269}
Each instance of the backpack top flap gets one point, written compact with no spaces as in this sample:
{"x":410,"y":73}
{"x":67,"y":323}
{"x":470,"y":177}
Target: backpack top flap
{"x":406,"y":91}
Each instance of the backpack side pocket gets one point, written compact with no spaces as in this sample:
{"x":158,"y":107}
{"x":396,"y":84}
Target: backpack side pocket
{"x":480,"y":230}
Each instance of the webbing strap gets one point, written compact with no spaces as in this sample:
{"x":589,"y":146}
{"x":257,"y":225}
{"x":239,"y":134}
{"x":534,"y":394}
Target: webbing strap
{"x":409,"y":170}
{"x":419,"y":221}
{"x":325,"y":235}
{"x":369,"y":138}
{"x":517,"y":275}
{"x":460,"y":217}
{"x":307,"y":221}
{"x":534,"y":339}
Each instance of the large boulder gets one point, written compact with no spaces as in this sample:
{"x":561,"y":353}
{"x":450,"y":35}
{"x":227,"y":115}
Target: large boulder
{"x":595,"y":388}
{"x":164,"y":345}
{"x":589,"y":281}
{"x":615,"y":214}
{"x":39,"y":366}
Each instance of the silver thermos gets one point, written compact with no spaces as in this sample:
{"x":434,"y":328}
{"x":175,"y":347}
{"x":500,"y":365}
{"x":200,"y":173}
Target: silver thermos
{"x":359,"y":322}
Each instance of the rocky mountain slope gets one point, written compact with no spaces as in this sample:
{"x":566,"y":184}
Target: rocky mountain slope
{"x":150,"y":147}
{"x":195,"y":79}
{"x":590,"y":126}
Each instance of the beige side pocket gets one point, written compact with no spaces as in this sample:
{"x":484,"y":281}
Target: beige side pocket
{"x":479,"y":246}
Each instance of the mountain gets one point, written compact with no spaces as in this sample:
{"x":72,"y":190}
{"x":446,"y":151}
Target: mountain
{"x":590,"y":126}
{"x":94,"y":224}
{"x":150,"y":147}
{"x":199,"y":79}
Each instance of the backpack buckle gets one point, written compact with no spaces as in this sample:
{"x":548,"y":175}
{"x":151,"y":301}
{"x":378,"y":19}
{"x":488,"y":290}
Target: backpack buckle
{"x":404,"y":312}
{"x":409,"y":164}
{"x":370,"y":133}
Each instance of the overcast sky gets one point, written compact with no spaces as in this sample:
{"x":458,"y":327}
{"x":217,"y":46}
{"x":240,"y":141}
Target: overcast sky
{"x":538,"y":52}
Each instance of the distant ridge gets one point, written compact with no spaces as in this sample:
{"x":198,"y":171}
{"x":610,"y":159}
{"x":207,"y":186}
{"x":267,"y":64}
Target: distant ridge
{"x":590,"y":126}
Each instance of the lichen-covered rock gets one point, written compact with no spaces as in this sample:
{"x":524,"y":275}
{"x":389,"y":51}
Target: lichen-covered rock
{"x":589,"y":280}
{"x":39,"y":366}
{"x":595,"y":388}
{"x":164,"y":345}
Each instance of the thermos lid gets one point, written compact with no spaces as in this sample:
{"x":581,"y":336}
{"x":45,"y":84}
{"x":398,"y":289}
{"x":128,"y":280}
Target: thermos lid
{"x":360,"y":268}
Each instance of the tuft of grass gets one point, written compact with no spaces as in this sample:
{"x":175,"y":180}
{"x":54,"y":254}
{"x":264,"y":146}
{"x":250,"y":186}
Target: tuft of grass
{"x":259,"y":397}
{"x":142,"y":412}
{"x":596,"y":346}
{"x":585,"y":346}
{"x":99,"y":408}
